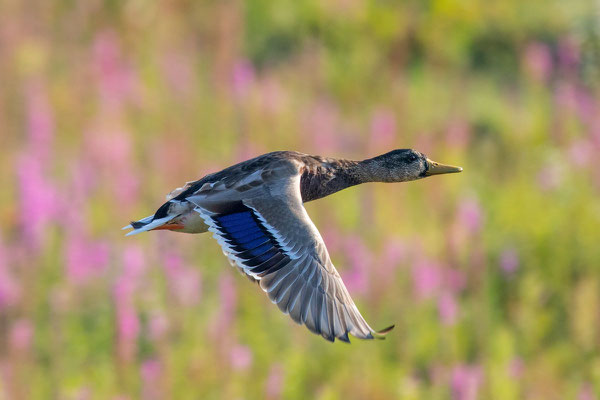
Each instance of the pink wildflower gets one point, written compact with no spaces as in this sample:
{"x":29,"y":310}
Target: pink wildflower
{"x":538,"y":61}
{"x":21,"y":335}
{"x":448,"y":308}
{"x":240,"y":357}
{"x":427,"y":279}
{"x":242,"y":78}
{"x":383,"y":129}
{"x":466,"y":381}
{"x":509,"y":261}
{"x":274,"y":383}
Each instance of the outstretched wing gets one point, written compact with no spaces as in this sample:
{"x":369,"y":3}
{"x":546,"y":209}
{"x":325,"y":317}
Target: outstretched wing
{"x":272,"y":239}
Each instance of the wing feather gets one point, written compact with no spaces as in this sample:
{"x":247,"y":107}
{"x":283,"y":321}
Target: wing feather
{"x":269,"y":236}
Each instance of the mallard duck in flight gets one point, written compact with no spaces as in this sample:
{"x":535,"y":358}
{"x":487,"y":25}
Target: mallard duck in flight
{"x":254,"y":210}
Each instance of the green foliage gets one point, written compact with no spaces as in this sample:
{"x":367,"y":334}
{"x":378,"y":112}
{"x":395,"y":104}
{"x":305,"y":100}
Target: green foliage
{"x":491,"y":276}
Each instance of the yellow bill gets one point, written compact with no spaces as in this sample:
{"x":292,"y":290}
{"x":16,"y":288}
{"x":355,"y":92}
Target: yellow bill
{"x":435,"y":168}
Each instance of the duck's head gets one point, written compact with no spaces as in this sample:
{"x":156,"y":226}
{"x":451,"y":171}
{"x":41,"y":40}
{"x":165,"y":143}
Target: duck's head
{"x":403,"y":165}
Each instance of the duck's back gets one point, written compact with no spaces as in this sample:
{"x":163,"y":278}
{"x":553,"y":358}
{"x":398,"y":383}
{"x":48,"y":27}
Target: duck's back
{"x":234,"y":174}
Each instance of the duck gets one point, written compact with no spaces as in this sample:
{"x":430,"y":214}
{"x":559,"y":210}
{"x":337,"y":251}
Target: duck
{"x":254,"y":210}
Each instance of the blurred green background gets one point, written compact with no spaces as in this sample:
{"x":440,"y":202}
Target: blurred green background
{"x":491,"y":276}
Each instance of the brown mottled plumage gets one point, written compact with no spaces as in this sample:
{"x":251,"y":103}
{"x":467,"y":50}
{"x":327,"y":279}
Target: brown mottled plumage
{"x":255,"y":212}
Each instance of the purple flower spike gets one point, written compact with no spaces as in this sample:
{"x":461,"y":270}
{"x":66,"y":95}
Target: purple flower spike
{"x":274,"y":382}
{"x":38,"y":199}
{"x":228,"y":302}
{"x":427,"y":279}
{"x":458,"y":134}
{"x":516,"y":368}
{"x":134,"y":261}
{"x":569,"y":53}
{"x":466,"y":381}
{"x":538,"y":61}
{"x":448,"y":308}
{"x":128,"y":328}
{"x":84,"y":259}
{"x":240,"y":357}
{"x":322,"y":125}
{"x":178,"y":72}
{"x":40,"y":124}
{"x":581,"y":153}
{"x":128,"y":324}
{"x":21,"y":335}
{"x":151,"y":372}
{"x":10,"y":290}
{"x":359,"y":256}
{"x":394,"y":253}
{"x":586,"y":393}
{"x":509,"y":261}
{"x":550,"y":176}
{"x":470,"y":215}
{"x":117,"y":81}
{"x":158,"y":326}
{"x":383,"y":129}
{"x":242,"y":78}
{"x":184,"y":282}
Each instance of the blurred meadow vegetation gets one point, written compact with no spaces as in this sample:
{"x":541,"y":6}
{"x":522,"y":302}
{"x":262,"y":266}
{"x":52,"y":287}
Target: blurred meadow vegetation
{"x":491,"y":276}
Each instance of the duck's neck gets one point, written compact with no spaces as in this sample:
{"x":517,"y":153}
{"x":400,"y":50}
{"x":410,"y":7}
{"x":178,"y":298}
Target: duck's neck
{"x":328,"y":176}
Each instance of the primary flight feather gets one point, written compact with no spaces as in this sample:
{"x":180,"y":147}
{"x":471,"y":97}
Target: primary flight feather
{"x":255,"y":211}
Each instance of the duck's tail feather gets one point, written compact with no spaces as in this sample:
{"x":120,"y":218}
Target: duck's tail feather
{"x":166,"y":213}
{"x":139,"y":224}
{"x":160,"y":217}
{"x":147,"y":226}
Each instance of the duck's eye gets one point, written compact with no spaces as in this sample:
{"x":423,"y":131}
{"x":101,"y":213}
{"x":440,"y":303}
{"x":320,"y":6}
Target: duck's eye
{"x":412,"y":157}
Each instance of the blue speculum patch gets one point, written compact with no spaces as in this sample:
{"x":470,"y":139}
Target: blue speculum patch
{"x":242,"y":230}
